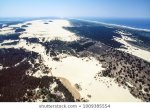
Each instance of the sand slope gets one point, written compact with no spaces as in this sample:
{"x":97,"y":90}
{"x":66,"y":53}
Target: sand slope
{"x":132,"y":49}
{"x":70,"y":69}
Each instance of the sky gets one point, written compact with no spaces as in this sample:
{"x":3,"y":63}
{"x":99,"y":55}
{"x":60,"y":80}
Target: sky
{"x":75,"y":8}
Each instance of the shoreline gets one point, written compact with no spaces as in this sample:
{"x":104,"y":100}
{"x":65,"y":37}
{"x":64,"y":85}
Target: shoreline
{"x":113,"y":25}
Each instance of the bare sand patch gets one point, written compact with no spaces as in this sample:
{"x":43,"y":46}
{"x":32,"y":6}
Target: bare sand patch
{"x":70,"y":69}
{"x":51,"y":31}
{"x":132,"y":49}
{"x":7,"y":30}
{"x":81,"y":71}
{"x":72,"y":89}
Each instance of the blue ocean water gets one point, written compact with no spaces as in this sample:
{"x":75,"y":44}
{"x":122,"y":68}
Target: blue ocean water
{"x":134,"y":23}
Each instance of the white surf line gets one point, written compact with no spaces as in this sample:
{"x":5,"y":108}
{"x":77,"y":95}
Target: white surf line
{"x":113,"y":25}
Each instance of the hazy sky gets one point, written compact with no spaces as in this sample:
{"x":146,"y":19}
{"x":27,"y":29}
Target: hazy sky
{"x":75,"y":8}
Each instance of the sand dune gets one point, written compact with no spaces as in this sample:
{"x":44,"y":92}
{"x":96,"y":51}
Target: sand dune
{"x":132,"y":49}
{"x":82,"y":71}
{"x":70,"y":69}
{"x":49,"y":31}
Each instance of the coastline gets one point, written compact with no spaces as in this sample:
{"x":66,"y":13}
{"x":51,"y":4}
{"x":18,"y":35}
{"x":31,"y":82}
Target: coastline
{"x":113,"y":25}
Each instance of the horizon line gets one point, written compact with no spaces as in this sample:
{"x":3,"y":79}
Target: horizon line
{"x":72,"y":17}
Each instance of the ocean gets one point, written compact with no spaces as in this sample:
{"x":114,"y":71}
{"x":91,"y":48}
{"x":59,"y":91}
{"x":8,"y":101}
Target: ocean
{"x":134,"y":23}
